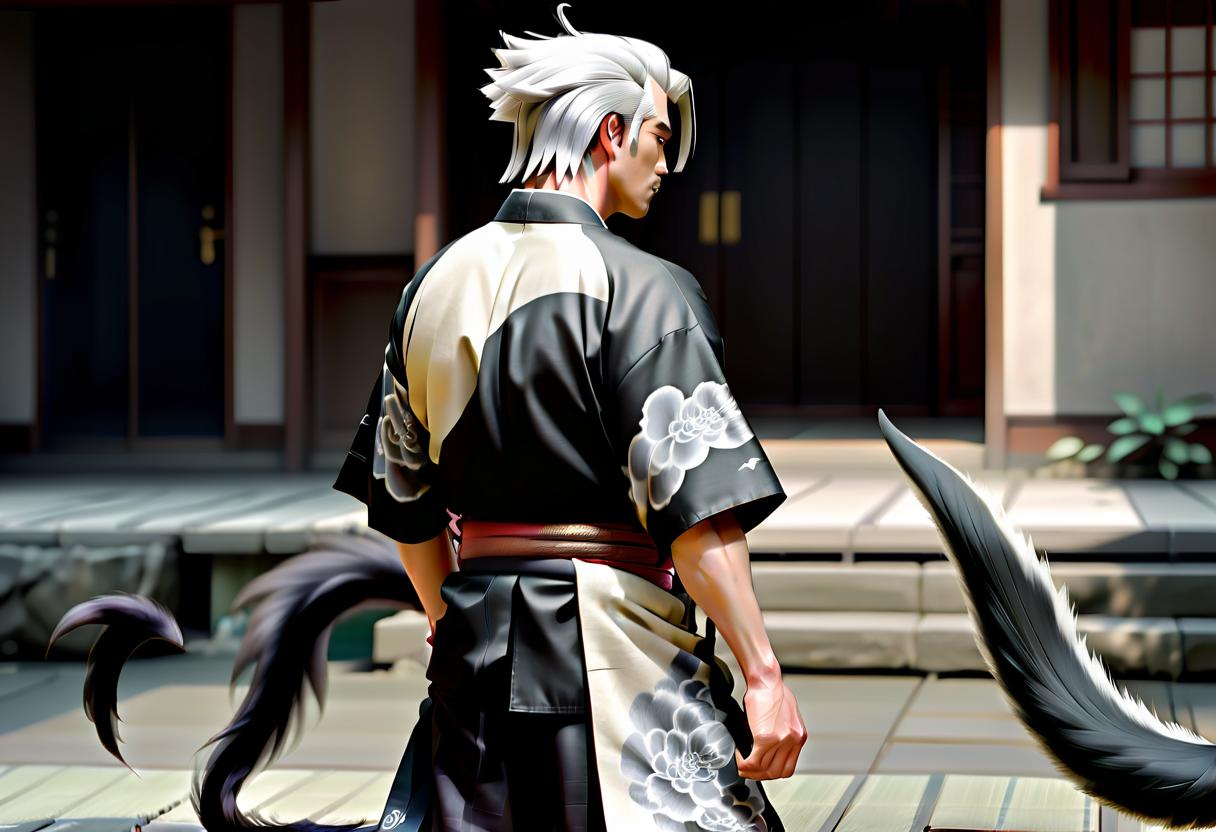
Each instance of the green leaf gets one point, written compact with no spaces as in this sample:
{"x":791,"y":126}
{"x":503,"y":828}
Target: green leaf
{"x":1123,"y":426}
{"x":1176,"y":450}
{"x":1064,"y":447}
{"x":1124,"y":445}
{"x":1152,"y":423}
{"x":1183,"y":430}
{"x":1195,"y":399}
{"x":1160,"y":402}
{"x":1129,"y":403}
{"x":1091,"y":452}
{"x":1176,"y":414}
{"x":1200,"y":453}
{"x":1168,"y":469}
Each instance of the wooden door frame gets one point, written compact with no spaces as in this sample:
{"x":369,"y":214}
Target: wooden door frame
{"x":995,"y":422}
{"x":133,"y":443}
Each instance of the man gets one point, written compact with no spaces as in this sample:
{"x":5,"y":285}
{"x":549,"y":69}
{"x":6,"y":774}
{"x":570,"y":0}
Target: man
{"x":560,"y":393}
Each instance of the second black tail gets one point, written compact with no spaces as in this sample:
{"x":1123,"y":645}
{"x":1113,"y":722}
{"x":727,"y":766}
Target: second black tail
{"x":286,"y":643}
{"x":1108,"y":743}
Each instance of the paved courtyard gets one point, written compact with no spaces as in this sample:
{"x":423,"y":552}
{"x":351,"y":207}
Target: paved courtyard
{"x":845,"y":497}
{"x":886,"y":753}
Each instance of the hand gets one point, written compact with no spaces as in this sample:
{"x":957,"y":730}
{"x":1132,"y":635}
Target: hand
{"x":778,"y":732}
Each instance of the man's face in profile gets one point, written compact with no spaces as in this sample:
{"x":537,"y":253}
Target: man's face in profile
{"x":636,"y":179}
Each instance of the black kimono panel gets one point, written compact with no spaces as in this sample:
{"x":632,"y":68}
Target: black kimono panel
{"x":542,"y":369}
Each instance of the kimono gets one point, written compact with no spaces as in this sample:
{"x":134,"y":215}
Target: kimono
{"x":542,"y":371}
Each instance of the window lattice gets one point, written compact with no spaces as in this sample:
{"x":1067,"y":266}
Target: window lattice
{"x":1173,"y":97}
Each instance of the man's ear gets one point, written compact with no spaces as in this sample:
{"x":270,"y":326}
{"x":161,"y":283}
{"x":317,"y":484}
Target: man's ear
{"x":611,"y":134}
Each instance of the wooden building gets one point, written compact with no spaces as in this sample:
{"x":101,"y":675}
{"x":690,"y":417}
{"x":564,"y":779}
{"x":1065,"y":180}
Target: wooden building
{"x":989,"y":208}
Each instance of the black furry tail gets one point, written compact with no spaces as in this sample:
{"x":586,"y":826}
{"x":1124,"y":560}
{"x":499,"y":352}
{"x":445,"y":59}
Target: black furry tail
{"x":128,"y":621}
{"x":286,"y":643}
{"x":1108,"y":743}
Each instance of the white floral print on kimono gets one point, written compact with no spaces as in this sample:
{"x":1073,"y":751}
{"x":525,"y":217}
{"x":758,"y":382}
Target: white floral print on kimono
{"x":676,"y":434}
{"x":401,"y":443}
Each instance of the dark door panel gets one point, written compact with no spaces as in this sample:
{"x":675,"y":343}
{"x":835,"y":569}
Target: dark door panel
{"x":180,"y":140}
{"x":826,"y":127}
{"x":757,"y":313}
{"x":83,"y":116}
{"x":131,"y":143}
{"x":900,"y":233}
{"x":829,"y":241}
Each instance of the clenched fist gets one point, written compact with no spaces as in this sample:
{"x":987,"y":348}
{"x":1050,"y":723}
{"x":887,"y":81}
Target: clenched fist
{"x":778,"y":732}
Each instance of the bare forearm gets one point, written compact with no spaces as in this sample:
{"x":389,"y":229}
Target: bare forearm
{"x":427,"y":564}
{"x":714,"y":566}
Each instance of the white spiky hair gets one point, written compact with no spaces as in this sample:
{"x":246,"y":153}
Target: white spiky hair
{"x":557,"y":90}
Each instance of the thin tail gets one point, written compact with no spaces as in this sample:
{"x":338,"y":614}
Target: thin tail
{"x":286,"y":643}
{"x":129,"y":621}
{"x":1100,"y":737}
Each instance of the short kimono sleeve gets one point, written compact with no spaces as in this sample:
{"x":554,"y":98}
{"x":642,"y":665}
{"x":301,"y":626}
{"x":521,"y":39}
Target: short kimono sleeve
{"x":388,"y":467}
{"x":685,"y":445}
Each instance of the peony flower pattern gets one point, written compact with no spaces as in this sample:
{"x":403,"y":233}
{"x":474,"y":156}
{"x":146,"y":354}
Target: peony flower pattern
{"x":681,"y":763}
{"x":401,"y":443}
{"x":675,"y":436}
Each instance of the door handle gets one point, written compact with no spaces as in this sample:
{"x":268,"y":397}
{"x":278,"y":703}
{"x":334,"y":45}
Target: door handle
{"x":207,"y":237}
{"x":707,"y":226}
{"x":732,"y":217}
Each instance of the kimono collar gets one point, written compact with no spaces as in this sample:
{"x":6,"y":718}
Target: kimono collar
{"x":544,"y":205}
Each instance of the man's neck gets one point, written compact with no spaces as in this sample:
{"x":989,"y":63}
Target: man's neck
{"x":592,"y":190}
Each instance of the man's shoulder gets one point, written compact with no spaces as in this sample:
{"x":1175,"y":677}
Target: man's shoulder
{"x":635,"y":270}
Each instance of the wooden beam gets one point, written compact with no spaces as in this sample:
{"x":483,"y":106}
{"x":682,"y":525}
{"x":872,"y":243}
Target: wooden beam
{"x":230,"y":430}
{"x":995,"y":440}
{"x":296,"y":47}
{"x":430,"y":218}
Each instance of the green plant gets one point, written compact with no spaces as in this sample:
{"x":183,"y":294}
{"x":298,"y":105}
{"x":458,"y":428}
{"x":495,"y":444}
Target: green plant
{"x":1156,"y":433}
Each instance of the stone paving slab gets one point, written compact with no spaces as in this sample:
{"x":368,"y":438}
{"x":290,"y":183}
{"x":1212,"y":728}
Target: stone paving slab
{"x":808,"y":802}
{"x":1203,"y":489}
{"x":1190,"y":520}
{"x":139,"y":522}
{"x":233,"y":505}
{"x":986,"y":729}
{"x":977,"y":802}
{"x":965,"y":758}
{"x":814,"y":802}
{"x":259,"y":794}
{"x":295,"y":532}
{"x":364,"y":804}
{"x":135,"y":795}
{"x":839,"y":753}
{"x":824,"y":517}
{"x":906,"y":526}
{"x":59,"y":794}
{"x":20,"y":500}
{"x":827,"y":511}
{"x":246,"y":532}
{"x":322,"y":794}
{"x":18,"y":779}
{"x":885,"y":802}
{"x":1083,"y":516}
{"x":980,"y":697}
{"x":877,"y":802}
{"x":1195,"y":707}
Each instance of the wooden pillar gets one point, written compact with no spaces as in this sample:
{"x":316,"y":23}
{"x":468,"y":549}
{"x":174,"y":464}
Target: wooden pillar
{"x":995,"y":438}
{"x":430,"y":182}
{"x":297,"y":20}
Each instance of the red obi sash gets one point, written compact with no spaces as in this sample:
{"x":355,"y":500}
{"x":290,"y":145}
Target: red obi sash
{"x":614,"y":544}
